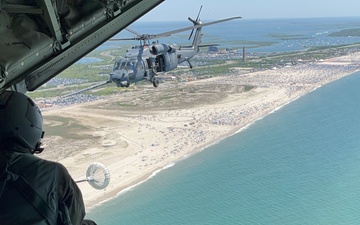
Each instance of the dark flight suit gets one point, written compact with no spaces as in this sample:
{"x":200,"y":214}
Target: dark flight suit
{"x":51,"y":181}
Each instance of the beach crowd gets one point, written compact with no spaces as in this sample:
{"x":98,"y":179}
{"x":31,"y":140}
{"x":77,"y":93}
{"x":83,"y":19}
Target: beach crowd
{"x":158,"y":138}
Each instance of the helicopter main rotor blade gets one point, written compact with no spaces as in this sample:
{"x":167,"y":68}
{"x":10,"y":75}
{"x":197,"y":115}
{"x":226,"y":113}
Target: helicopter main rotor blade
{"x":169,"y":33}
{"x":124,"y":39}
{"x":201,"y":46}
{"x":133,"y":31}
{"x":138,"y":36}
{"x":141,"y":37}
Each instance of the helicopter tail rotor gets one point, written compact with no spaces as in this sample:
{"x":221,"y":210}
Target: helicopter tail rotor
{"x":195,"y":22}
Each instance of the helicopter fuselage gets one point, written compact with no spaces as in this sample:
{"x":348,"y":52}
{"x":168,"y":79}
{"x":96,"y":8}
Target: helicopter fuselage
{"x":155,"y":59}
{"x":148,"y":60}
{"x":127,"y":71}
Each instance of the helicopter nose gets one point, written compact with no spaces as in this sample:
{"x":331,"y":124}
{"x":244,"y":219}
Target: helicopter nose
{"x":124,"y":83}
{"x":120,"y":75}
{"x":121,"y":78}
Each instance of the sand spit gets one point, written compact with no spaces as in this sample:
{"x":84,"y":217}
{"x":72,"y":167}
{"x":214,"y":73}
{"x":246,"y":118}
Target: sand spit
{"x":135,"y":142}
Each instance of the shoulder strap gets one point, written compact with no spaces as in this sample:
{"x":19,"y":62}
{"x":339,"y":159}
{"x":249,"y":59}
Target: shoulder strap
{"x":36,"y":201}
{"x":31,"y":195}
{"x":3,"y":166}
{"x":3,"y":171}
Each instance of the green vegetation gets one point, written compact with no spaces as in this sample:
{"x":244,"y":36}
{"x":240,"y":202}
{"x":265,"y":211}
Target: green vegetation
{"x":346,"y":33}
{"x":240,"y":43}
{"x":285,"y":37}
{"x":66,"y":128}
{"x":248,"y":88}
{"x":253,"y":44}
{"x":108,"y":90}
{"x":311,"y":54}
{"x":206,"y":67}
{"x":49,"y":93}
{"x":214,"y":70}
{"x":90,"y":73}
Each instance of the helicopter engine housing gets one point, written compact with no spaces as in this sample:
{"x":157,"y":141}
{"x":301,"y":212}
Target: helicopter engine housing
{"x":160,"y":49}
{"x":166,"y":62}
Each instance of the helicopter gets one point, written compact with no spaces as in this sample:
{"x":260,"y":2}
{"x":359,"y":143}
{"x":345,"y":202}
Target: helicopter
{"x":148,"y":60}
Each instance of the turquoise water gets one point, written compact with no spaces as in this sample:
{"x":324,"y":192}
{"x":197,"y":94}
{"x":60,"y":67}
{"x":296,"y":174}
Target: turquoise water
{"x":299,"y":165}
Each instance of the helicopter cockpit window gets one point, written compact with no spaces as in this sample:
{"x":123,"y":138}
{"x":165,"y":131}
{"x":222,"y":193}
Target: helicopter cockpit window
{"x":117,"y":66}
{"x":122,"y":65}
{"x":132,"y":64}
{"x":127,"y":65}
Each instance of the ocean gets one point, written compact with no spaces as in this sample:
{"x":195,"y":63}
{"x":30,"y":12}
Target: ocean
{"x":258,"y":35}
{"x":298,"y":165}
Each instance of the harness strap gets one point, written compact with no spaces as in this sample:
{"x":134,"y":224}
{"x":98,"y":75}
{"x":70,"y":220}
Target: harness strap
{"x":27,"y":191}
{"x":3,"y":172}
{"x":3,"y":166}
{"x":36,"y":201}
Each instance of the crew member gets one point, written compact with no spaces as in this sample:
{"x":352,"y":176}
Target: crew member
{"x":32,"y":190}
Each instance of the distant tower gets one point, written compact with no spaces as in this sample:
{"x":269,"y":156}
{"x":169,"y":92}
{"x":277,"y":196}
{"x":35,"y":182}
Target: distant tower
{"x":244,"y":54}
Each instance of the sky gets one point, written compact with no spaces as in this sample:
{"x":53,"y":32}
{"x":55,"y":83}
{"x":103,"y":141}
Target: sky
{"x":179,"y":10}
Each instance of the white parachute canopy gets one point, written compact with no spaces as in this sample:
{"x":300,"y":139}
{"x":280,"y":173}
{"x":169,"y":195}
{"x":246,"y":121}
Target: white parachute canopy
{"x":98,"y":176}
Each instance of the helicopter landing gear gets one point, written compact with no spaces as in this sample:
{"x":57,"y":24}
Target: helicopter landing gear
{"x":123,"y":84}
{"x":190,"y":65}
{"x":155,"y":82}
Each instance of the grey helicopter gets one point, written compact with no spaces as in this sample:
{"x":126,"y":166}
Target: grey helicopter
{"x":146,"y":61}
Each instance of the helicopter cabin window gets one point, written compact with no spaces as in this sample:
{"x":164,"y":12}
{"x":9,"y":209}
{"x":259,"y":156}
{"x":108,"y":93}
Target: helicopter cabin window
{"x":149,"y":64}
{"x":160,"y":65}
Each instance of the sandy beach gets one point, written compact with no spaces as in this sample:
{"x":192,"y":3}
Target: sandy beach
{"x":134,"y":143}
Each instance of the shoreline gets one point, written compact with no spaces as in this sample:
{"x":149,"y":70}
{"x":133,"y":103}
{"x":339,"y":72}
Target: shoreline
{"x":135,"y":146}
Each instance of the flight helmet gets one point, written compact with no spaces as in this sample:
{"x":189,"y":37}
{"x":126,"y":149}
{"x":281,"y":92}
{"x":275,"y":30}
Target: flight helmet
{"x":20,"y":119}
